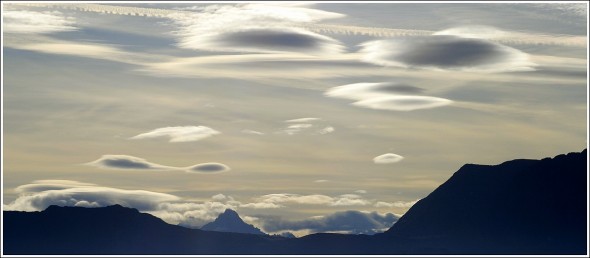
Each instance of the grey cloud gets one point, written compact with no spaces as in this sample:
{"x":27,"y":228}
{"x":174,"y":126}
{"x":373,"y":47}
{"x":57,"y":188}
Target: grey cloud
{"x":208,"y":168}
{"x":265,"y":40}
{"x":444,"y":52}
{"x":126,"y":162}
{"x":352,"y":222}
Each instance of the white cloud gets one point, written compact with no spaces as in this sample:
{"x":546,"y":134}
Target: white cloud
{"x":361,"y":191}
{"x":179,"y":133}
{"x":32,"y":22}
{"x":41,"y":194}
{"x":303,"y":120}
{"x":387,"y":158}
{"x":386,"y":96}
{"x":320,"y":181}
{"x":397,"y":204}
{"x":445,"y":52}
{"x":403,"y":103}
{"x":313,"y":199}
{"x":326,"y":130}
{"x":248,"y":131}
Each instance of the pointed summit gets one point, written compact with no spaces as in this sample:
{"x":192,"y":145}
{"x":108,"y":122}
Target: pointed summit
{"x":230,"y":221}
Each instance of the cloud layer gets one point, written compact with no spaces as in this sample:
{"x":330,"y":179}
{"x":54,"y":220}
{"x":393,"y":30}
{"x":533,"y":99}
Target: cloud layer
{"x":386,"y":96}
{"x":446,"y":52}
{"x":179,"y":133}
{"x":349,"y":222}
{"x":208,"y":168}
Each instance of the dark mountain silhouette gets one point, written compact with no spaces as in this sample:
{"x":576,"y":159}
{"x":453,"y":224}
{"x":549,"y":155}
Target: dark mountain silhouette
{"x":230,"y":221}
{"x":517,"y":207}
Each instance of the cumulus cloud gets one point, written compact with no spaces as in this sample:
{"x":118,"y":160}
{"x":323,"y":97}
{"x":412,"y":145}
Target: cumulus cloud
{"x":350,"y":222}
{"x":41,"y":194}
{"x":179,"y":133}
{"x":262,"y":28}
{"x":387,"y":158}
{"x":135,"y":163}
{"x":208,"y":168}
{"x":126,"y":162}
{"x":32,"y":22}
{"x":446,"y":52}
{"x":386,"y":96}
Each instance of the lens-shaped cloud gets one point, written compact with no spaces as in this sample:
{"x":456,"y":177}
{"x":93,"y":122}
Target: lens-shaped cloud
{"x":387,"y":158}
{"x":303,"y":120}
{"x":365,"y":90}
{"x":264,"y":40}
{"x":445,"y":52}
{"x":403,"y":103}
{"x":386,"y":96}
{"x":208,"y":168}
{"x":126,"y":162}
{"x":179,"y":133}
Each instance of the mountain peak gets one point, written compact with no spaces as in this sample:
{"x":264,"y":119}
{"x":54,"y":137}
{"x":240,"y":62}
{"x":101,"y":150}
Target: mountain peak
{"x":230,"y":221}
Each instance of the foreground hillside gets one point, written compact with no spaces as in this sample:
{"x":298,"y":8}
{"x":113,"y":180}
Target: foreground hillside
{"x":517,"y":207}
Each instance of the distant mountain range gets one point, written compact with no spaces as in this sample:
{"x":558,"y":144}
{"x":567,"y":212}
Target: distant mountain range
{"x":529,"y":207}
{"x":230,"y":221}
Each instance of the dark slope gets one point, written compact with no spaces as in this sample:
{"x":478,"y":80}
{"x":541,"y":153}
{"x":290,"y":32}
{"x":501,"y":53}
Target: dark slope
{"x":230,"y":221}
{"x":115,"y":230}
{"x":517,"y":207}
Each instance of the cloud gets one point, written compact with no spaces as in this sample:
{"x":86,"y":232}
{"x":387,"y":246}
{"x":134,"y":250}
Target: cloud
{"x":41,"y":194}
{"x":387,"y":158}
{"x":208,"y":168}
{"x":32,"y":22}
{"x":320,"y":181}
{"x":446,"y":52}
{"x":326,"y":130}
{"x":179,"y":133}
{"x":386,"y":96}
{"x":403,"y":103}
{"x":260,"y":28}
{"x":303,"y":120}
{"x":361,"y":191}
{"x":313,"y":199}
{"x":350,"y":222}
{"x":398,"y":204}
{"x":248,"y":131}
{"x":126,"y":162}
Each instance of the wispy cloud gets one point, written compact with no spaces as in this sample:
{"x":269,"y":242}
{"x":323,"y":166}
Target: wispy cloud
{"x":302,"y":120}
{"x":313,"y":199}
{"x":33,"y":22}
{"x":387,"y":158}
{"x":398,"y":204}
{"x":179,"y":133}
{"x":446,"y":53}
{"x":248,"y":131}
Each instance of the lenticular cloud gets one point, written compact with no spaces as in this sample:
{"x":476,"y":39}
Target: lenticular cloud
{"x":386,"y":96}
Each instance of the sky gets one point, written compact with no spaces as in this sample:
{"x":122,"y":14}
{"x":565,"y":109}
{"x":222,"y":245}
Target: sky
{"x":302,"y":117}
